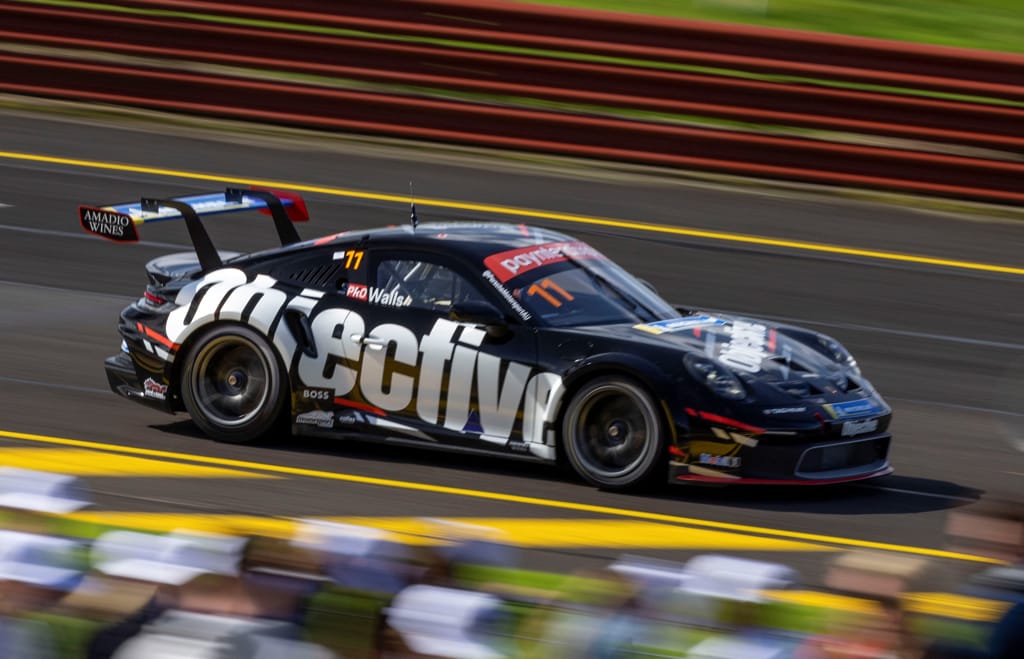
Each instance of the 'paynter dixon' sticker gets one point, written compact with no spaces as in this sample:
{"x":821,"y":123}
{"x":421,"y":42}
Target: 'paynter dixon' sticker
{"x":511,"y":263}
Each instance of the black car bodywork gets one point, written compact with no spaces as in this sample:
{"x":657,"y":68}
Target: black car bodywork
{"x":484,"y":337}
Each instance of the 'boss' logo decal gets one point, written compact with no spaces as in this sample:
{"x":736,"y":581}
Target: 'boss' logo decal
{"x":317,"y":394}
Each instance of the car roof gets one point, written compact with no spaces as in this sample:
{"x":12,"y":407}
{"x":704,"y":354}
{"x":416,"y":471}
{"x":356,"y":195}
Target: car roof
{"x":474,"y":240}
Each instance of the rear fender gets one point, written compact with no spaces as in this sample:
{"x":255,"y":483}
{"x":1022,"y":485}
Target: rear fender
{"x":228,"y":295}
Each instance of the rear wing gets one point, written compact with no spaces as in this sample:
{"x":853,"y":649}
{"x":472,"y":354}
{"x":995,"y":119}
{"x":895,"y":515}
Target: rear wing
{"x":119,"y":222}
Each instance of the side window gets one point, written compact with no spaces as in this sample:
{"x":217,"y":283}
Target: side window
{"x":328,"y":270}
{"x":421,"y":285}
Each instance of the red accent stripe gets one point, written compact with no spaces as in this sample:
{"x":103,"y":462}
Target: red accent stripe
{"x":693,"y":478}
{"x":323,"y":240}
{"x":726,"y":421}
{"x":771,"y":340}
{"x":158,"y":337}
{"x":345,"y":402}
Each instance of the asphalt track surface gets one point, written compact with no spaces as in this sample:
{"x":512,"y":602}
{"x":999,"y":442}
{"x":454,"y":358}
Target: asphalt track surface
{"x":940,"y":336}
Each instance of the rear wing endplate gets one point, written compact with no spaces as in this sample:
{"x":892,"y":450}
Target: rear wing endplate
{"x":119,"y":222}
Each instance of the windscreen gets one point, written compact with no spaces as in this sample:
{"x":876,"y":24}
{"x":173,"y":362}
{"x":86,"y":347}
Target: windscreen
{"x":569,"y":284}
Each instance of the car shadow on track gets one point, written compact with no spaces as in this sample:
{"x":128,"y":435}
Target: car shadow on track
{"x":307,"y":452}
{"x":891,"y":495}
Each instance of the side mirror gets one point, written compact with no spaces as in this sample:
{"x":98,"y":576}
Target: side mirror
{"x":480,"y":313}
{"x":476,"y":311}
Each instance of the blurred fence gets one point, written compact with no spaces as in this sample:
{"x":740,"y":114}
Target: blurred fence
{"x":739,"y":100}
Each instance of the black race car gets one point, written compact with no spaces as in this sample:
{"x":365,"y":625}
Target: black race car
{"x":481,"y":337}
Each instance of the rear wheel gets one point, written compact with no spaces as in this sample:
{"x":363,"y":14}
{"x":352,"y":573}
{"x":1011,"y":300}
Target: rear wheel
{"x":612,"y":433}
{"x":232,"y":385}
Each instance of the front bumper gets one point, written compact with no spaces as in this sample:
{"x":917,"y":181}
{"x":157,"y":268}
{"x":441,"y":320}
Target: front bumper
{"x":794,"y":458}
{"x":682,"y":472}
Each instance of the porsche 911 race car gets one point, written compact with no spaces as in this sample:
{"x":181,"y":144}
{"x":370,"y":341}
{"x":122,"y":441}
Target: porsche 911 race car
{"x":480,"y":337}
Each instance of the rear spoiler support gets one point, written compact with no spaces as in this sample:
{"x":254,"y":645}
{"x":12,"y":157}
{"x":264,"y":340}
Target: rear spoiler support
{"x":282,"y":222}
{"x":209,"y":259}
{"x":118,"y":222}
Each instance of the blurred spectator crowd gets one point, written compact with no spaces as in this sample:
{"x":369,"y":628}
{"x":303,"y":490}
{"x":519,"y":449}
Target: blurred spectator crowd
{"x":352,"y":592}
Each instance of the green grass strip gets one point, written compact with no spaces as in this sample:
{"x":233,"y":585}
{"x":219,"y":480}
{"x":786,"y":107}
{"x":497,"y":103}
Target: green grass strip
{"x":980,"y":24}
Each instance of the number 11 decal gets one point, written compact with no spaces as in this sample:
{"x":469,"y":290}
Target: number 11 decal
{"x":353,"y":258}
{"x":543,"y":287}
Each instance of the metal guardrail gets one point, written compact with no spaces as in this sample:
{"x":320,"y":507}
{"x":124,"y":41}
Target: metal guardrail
{"x":777,"y":104}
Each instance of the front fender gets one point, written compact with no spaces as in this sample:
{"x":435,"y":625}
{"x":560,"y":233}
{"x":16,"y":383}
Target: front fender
{"x":663,"y":387}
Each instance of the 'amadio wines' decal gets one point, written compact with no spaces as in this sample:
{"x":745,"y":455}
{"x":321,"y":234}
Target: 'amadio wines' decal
{"x":109,"y":224}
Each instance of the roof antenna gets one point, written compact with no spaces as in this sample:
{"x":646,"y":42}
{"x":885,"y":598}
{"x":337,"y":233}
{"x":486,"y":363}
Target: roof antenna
{"x":412,"y":215}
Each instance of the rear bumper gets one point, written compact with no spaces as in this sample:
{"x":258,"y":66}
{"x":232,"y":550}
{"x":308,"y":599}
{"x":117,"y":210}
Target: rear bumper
{"x":123,"y":377}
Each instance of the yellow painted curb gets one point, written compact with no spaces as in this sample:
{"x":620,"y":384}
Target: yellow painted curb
{"x":81,"y":462}
{"x":500,"y":496}
{"x":522,"y":532}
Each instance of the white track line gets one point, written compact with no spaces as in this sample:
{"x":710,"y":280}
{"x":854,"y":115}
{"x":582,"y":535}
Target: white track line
{"x":933,"y":495}
{"x":52,"y":385}
{"x":84,"y":236}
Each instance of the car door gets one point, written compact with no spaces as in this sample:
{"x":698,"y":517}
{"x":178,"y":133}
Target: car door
{"x":434,"y":378}
{"x":322,"y":364}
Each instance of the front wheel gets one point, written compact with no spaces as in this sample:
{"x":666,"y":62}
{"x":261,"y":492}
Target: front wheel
{"x":232,"y":385}
{"x":612,"y":433}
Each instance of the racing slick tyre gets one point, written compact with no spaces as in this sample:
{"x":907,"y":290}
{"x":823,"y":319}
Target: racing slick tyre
{"x":233,"y":385}
{"x":612,"y":433}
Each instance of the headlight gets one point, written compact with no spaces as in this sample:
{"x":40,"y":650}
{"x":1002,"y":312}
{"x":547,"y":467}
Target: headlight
{"x":838,"y":353}
{"x":715,"y":377}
